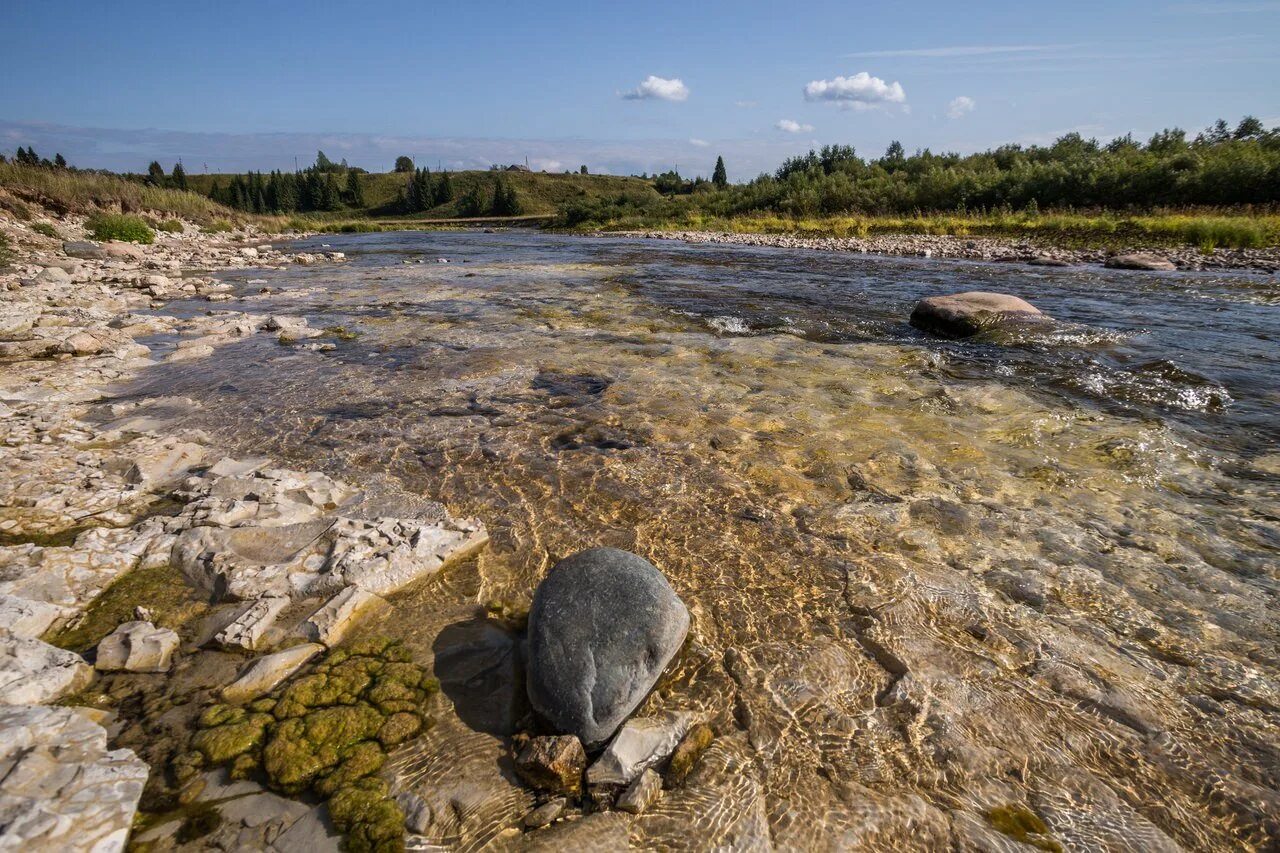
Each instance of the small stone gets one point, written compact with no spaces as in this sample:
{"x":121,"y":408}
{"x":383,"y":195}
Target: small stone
{"x":137,"y":647}
{"x":545,"y":813}
{"x":642,"y":793}
{"x":640,"y":744}
{"x":264,"y":674}
{"x":553,"y":764}
{"x":686,"y":756}
{"x":247,"y":629}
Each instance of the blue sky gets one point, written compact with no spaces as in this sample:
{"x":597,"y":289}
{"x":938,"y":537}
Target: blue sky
{"x":621,"y":87}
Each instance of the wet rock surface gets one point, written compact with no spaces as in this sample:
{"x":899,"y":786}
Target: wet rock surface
{"x":553,"y":764}
{"x":961,"y":315}
{"x":33,"y":672}
{"x":603,"y":626}
{"x":137,"y":647}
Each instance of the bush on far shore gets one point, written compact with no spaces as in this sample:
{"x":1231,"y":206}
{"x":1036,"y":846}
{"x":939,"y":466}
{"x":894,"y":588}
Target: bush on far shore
{"x":115,"y":226}
{"x":169,"y":226}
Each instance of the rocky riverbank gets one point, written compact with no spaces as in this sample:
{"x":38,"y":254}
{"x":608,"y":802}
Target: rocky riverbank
{"x":132,"y":551}
{"x":996,"y":250}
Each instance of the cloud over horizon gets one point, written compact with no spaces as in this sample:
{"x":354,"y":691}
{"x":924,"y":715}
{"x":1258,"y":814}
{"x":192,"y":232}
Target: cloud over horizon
{"x":961,"y":106}
{"x":859,"y":92}
{"x":792,"y":126}
{"x":661,"y":88}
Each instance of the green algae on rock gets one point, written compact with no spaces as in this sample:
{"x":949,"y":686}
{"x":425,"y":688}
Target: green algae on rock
{"x":1021,"y":823}
{"x":162,"y":589}
{"x":327,"y":732}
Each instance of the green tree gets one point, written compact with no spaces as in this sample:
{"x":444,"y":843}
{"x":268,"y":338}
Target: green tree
{"x":155,"y":174}
{"x":1249,"y":128}
{"x":61,"y":162}
{"x":720,"y":177}
{"x":355,"y":194}
{"x":179,"y":176}
{"x":582,"y":170}
{"x":444,"y":189}
{"x":404,"y":164}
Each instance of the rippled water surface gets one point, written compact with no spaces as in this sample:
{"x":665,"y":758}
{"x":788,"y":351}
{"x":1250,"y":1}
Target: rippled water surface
{"x":937,"y":587}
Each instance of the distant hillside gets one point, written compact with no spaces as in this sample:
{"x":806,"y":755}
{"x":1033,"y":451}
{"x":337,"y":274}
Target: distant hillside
{"x":537,"y":193}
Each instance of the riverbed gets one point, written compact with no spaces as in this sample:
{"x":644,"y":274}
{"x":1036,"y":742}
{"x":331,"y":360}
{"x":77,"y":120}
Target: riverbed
{"x":933,"y":583}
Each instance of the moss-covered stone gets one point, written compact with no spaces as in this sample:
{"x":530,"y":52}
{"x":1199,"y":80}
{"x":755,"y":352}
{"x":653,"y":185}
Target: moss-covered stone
{"x":328,"y":731}
{"x":686,"y":755}
{"x":1019,"y":822}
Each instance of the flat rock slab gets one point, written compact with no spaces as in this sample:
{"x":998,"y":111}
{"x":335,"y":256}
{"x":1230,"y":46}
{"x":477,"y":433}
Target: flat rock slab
{"x":1140,"y":261}
{"x":62,"y":789}
{"x":31,"y":619}
{"x":262,"y":675}
{"x":248,"y":628}
{"x":33,"y":672}
{"x":337,"y":616}
{"x":960,"y":315}
{"x":603,"y":626}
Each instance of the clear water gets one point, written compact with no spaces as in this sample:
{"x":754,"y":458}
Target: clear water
{"x":929,"y":580}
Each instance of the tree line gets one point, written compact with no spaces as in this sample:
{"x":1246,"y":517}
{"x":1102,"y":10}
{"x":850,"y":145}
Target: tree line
{"x":1223,"y":165}
{"x":28,"y":157}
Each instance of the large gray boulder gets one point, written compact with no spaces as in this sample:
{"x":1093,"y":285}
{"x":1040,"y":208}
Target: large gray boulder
{"x":603,"y":626}
{"x":960,"y":315}
{"x":85,"y":250}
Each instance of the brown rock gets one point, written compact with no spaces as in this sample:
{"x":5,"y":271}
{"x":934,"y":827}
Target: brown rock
{"x":960,"y":315}
{"x":686,"y":756}
{"x":1140,"y":261}
{"x":641,"y":793}
{"x":553,"y":764}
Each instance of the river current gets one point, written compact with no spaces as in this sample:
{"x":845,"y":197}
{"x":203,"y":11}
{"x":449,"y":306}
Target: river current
{"x":977,"y":594}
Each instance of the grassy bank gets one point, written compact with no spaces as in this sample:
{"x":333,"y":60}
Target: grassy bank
{"x":1203,"y":229}
{"x":67,"y":191}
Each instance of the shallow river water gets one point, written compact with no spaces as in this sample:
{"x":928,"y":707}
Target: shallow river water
{"x":943,"y":593}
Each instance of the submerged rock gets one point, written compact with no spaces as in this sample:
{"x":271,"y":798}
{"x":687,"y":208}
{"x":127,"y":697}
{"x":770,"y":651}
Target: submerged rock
{"x":137,"y":647}
{"x":265,"y":673}
{"x":642,"y":793}
{"x":603,"y":626}
{"x":1140,"y":261}
{"x":545,"y":813}
{"x":641,"y":744}
{"x":62,"y":789}
{"x":960,"y":315}
{"x":337,"y":616}
{"x":553,"y":764}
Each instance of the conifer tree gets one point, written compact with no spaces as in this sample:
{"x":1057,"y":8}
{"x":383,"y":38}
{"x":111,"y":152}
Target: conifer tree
{"x":444,"y":189}
{"x":155,"y":174}
{"x":179,"y":176}
{"x":720,"y":177}
{"x":355,"y":194}
{"x":61,"y":162}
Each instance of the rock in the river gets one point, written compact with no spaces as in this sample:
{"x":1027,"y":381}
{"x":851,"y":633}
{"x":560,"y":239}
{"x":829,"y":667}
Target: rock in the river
{"x":553,"y":764}
{"x":262,"y":675}
{"x":1140,"y":261}
{"x":641,"y":744}
{"x":62,"y":789}
{"x":686,"y":756}
{"x":960,"y":315}
{"x":137,"y":647}
{"x":545,"y":813}
{"x":641,"y":793}
{"x":253,"y":622}
{"x":603,"y":626}
{"x":33,"y":672}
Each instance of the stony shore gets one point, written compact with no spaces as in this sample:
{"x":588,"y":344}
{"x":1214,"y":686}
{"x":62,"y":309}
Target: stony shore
{"x":275,"y":557}
{"x":978,"y":249}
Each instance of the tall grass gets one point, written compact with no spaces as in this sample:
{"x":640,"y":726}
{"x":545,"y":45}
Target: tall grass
{"x":82,"y":192}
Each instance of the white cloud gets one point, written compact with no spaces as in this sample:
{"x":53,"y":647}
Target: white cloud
{"x":701,"y":143}
{"x":859,"y":92}
{"x":548,"y":165}
{"x":961,"y":106}
{"x":658,"y":87}
{"x":791,"y":126}
{"x":746,"y":105}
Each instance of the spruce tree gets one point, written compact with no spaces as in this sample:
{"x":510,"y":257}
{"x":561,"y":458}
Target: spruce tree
{"x":444,"y":189}
{"x":61,"y":162}
{"x":155,"y":174}
{"x":355,"y":193}
{"x":179,"y":176}
{"x":720,"y":177}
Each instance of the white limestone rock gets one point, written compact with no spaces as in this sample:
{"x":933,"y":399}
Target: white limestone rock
{"x":641,"y":743}
{"x":31,"y":619}
{"x":247,"y":629}
{"x":137,"y":647}
{"x":33,"y":672}
{"x":263,"y":674}
{"x":61,"y":788}
{"x":337,"y":616}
